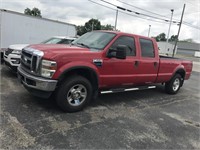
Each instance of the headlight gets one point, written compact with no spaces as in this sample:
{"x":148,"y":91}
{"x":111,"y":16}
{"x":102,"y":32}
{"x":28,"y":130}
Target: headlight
{"x":18,"y":52}
{"x":48,"y":68}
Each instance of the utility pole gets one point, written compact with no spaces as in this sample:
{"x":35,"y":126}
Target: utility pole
{"x":170,"y":25}
{"x":118,"y":7}
{"x":149,"y":30}
{"x":92,"y":25}
{"x":116,"y":20}
{"x":179,"y":30}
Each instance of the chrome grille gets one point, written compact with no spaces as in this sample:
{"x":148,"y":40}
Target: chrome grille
{"x":30,"y":60}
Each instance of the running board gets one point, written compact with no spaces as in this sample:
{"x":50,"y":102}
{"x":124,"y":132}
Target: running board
{"x":129,"y":89}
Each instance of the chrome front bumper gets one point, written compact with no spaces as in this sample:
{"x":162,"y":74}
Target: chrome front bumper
{"x":37,"y":83}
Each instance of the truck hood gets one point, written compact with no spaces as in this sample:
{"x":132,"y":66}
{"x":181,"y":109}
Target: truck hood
{"x":54,"y":50}
{"x":18,"y":46}
{"x":58,"y":48}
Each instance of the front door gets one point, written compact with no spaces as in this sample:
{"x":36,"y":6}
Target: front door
{"x":120,"y":72}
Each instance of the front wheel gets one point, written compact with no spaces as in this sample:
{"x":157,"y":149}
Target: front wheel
{"x":74,"y":94}
{"x":173,"y":86}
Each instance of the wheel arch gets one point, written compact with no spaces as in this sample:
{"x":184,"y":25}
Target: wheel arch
{"x":182,"y":73}
{"x":84,"y":71}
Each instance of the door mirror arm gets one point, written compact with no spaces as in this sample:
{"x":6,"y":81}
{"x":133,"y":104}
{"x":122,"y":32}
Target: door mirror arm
{"x":111,"y":53}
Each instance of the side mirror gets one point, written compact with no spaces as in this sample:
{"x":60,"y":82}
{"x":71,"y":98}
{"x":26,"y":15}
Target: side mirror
{"x":121,"y":52}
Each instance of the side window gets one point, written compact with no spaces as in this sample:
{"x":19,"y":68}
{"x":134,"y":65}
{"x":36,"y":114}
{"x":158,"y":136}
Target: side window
{"x":147,"y":48}
{"x":129,"y":42}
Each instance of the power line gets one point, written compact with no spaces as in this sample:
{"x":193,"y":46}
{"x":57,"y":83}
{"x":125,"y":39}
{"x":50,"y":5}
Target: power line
{"x":101,"y":5}
{"x":124,"y":9}
{"x":188,"y":24}
{"x":138,"y":13}
{"x":165,"y":21}
{"x":184,"y":22}
{"x":140,"y":8}
{"x":128,"y":13}
{"x":191,"y":25}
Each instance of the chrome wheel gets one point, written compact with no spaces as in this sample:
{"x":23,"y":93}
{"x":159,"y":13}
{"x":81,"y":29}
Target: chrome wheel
{"x":77,"y":95}
{"x":173,"y":86}
{"x":176,"y":84}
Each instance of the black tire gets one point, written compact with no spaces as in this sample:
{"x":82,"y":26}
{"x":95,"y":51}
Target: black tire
{"x":74,"y":94}
{"x":173,"y":86}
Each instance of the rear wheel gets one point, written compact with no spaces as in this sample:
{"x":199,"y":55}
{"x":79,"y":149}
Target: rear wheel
{"x":173,"y":86}
{"x":74,"y":94}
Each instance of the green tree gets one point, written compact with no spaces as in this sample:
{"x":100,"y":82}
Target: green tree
{"x":80,"y":30}
{"x":107,"y":27}
{"x":34,"y":12}
{"x":173,"y":38}
{"x":93,"y":24}
{"x":27,"y":11}
{"x":160,"y":37}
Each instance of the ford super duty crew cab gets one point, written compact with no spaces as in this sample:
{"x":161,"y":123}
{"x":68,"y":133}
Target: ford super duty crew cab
{"x":98,"y":61}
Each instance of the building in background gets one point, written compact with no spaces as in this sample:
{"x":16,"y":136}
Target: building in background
{"x":18,"y":28}
{"x":189,"y":49}
{"x":183,"y":48}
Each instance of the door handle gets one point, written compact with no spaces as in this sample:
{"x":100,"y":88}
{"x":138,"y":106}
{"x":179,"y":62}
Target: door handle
{"x":136,"y":63}
{"x":155,"y":64}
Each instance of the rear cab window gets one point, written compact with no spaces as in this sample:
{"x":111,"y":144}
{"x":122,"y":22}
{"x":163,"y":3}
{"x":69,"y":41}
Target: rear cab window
{"x":147,"y":48}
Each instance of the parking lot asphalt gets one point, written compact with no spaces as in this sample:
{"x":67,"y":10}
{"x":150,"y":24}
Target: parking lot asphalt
{"x":146,"y":119}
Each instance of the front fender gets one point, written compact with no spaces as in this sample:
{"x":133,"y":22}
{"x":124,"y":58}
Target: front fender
{"x":75,"y":65}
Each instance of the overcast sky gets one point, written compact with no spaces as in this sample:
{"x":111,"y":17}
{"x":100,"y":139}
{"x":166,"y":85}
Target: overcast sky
{"x":80,"y":11}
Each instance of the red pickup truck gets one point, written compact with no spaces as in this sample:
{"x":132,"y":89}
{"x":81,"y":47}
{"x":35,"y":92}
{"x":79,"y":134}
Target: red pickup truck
{"x":98,"y":61}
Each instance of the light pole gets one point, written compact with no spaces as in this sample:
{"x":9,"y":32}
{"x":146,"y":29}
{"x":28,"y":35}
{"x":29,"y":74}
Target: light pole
{"x":116,"y":19}
{"x":118,"y":7}
{"x":149,"y":30}
{"x":92,"y":25}
{"x":170,"y":25}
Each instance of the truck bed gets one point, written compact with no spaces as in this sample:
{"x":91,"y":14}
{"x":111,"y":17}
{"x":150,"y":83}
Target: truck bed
{"x":169,"y":65}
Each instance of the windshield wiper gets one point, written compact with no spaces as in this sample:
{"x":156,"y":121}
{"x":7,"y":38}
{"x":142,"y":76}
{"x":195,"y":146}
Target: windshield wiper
{"x":82,"y":44}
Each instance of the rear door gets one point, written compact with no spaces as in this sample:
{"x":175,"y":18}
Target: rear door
{"x":149,"y":61}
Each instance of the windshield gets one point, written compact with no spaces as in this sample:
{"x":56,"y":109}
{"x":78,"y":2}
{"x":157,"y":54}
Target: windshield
{"x":57,"y":41}
{"x":94,"y":40}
